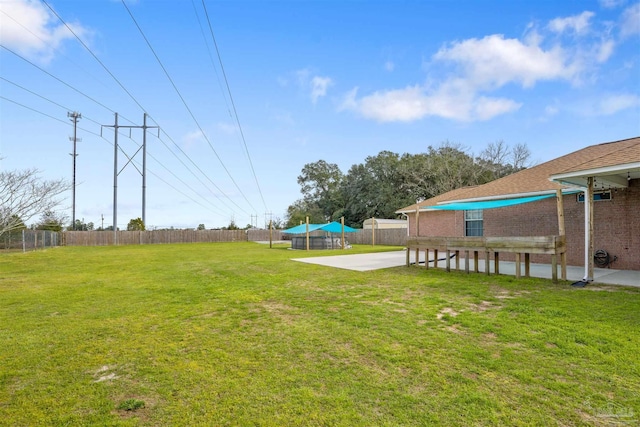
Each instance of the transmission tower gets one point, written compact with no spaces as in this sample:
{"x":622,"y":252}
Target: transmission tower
{"x":74,"y":116}
{"x":144,"y":128}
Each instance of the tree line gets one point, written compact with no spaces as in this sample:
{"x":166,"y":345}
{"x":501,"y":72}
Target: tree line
{"x":389,"y":181}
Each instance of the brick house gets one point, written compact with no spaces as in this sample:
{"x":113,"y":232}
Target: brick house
{"x":527,"y":204}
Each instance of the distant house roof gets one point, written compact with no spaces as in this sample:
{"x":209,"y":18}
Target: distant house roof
{"x":613,"y":162}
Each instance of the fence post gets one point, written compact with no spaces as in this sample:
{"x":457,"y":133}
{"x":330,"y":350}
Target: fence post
{"x":24,"y":243}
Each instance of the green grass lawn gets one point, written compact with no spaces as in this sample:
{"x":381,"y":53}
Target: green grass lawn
{"x":238,"y":334}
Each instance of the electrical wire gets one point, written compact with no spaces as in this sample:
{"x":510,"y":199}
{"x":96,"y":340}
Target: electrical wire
{"x":186,"y":105}
{"x":94,"y":56}
{"x":233,"y":104}
{"x":111,"y":144}
{"x":137,"y":103}
{"x":143,"y":109}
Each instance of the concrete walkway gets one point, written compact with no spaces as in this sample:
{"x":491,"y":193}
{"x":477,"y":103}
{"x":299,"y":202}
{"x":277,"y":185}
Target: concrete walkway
{"x":375,"y":261}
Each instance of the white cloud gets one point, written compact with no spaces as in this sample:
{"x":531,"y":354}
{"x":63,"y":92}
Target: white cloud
{"x":192,"y":138}
{"x":605,"y":50}
{"x":494,"y":61}
{"x":485,"y":108}
{"x":316,"y":85}
{"x":612,"y":104}
{"x":319,"y":87}
{"x":476,"y":68}
{"x":611,"y":4}
{"x":551,"y":110}
{"x":578,"y":23}
{"x":30,"y":28}
{"x":630,"y":25}
{"x":412,"y":103}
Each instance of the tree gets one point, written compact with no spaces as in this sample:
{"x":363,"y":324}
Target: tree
{"x":500,"y":160}
{"x":232,"y":226}
{"x":23,"y":195}
{"x":81,"y":226}
{"x":51,"y":221}
{"x":320,"y":186}
{"x":135,"y":224}
{"x":300,"y":210}
{"x":201,"y":227}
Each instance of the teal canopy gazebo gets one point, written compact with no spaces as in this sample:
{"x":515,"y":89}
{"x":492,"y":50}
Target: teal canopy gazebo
{"x":317,"y":241}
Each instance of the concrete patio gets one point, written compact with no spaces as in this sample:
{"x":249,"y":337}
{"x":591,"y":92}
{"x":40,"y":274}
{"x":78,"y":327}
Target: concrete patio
{"x":375,"y":261}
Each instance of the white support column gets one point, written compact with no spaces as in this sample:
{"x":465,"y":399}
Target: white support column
{"x":588,"y":231}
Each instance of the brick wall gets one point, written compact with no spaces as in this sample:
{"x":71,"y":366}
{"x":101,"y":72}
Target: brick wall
{"x":616,"y":225}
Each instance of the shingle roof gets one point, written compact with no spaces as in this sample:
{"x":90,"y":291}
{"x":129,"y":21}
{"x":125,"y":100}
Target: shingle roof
{"x":536,"y":178}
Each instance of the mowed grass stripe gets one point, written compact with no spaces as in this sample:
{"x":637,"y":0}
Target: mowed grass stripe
{"x":238,"y":334}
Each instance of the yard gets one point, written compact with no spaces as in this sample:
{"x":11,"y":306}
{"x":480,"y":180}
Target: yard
{"x":237,"y":334}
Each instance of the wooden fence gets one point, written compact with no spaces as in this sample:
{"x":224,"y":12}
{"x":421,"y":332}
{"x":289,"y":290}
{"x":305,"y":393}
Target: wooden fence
{"x":105,"y":238}
{"x":392,"y":237}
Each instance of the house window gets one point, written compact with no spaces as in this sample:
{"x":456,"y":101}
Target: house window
{"x":473,"y":222}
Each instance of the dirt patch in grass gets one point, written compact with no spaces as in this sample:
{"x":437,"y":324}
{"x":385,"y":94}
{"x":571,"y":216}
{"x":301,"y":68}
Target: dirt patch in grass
{"x":105,"y":373}
{"x":447,"y":311}
{"x":283,"y":312}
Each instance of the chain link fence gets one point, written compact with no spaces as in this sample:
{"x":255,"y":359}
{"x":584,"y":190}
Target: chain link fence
{"x":29,"y":240}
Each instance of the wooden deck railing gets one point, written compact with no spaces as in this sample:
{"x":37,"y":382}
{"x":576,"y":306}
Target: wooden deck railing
{"x":551,"y":245}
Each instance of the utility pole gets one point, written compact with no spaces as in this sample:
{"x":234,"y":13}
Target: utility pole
{"x":269,"y":221}
{"x":144,"y":128}
{"x":75,"y":116}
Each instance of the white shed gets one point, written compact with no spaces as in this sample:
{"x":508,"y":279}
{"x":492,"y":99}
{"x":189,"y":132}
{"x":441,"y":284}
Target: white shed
{"x":381,"y":224}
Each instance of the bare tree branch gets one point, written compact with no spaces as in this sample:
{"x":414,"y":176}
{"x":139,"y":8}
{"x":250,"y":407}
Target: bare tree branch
{"x":23,"y":195}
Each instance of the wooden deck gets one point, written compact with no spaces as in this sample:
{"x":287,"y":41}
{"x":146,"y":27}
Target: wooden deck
{"x":550,"y":245}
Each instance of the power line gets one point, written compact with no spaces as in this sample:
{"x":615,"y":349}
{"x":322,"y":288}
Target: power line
{"x":150,"y":154}
{"x":94,"y":56}
{"x":53,"y":48}
{"x":104,"y":106}
{"x":233,"y":104}
{"x":143,"y":109}
{"x":186,"y":105}
{"x":58,"y":79}
{"x":111,"y":144}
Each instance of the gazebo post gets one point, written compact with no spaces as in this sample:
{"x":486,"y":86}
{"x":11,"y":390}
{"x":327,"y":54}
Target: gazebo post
{"x":307,"y":233}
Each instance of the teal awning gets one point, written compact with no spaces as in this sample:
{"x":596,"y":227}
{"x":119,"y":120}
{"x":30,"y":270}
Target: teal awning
{"x":331,"y":227}
{"x":488,"y":204}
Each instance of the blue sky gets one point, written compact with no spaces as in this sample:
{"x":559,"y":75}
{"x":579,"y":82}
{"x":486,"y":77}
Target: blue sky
{"x":310,"y":80}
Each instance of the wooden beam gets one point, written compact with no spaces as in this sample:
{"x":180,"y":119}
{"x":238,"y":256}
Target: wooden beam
{"x":448,"y":261}
{"x":476,"y":261}
{"x":518,"y":266}
{"x":527,"y":265}
{"x":487,"y":263}
{"x":466,"y":262}
{"x":496,"y":262}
